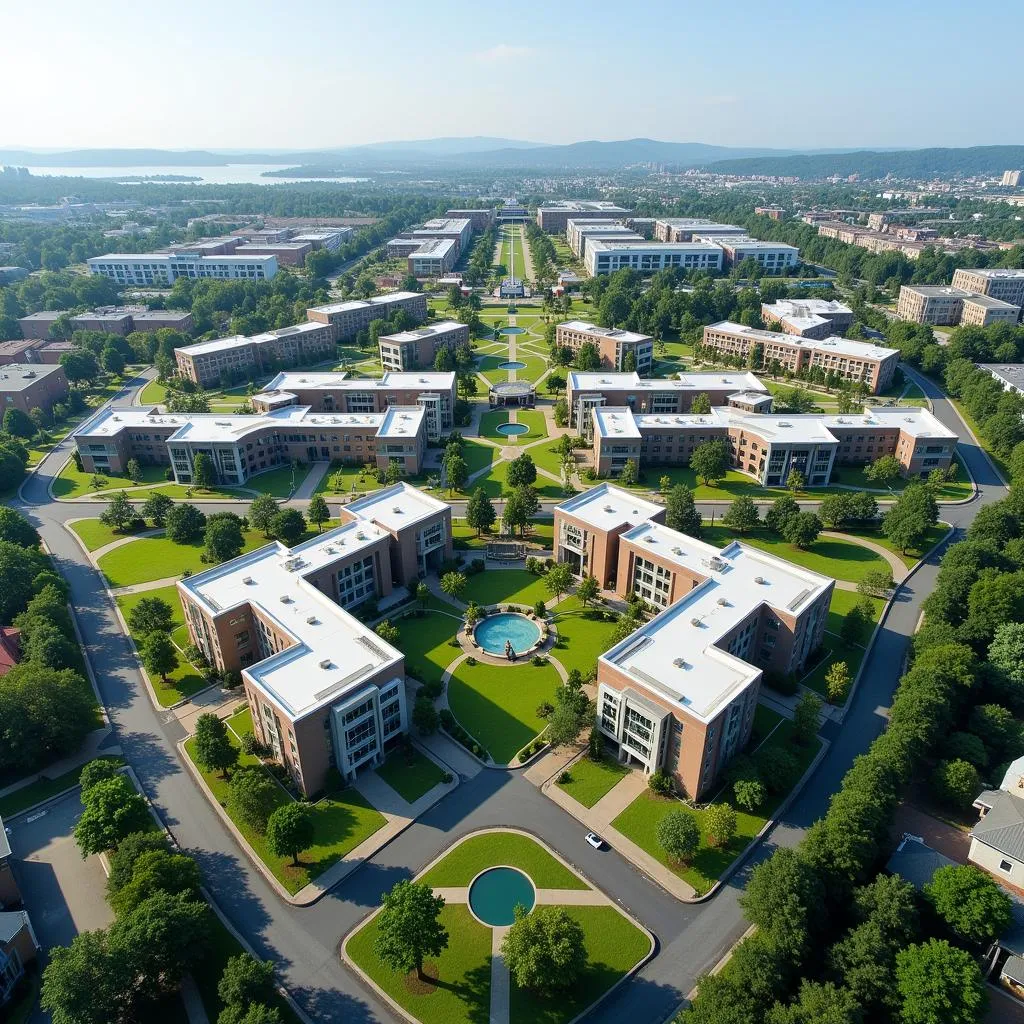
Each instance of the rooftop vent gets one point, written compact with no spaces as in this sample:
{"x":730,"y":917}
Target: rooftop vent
{"x":716,"y":563}
{"x":759,"y":579}
{"x":397,"y":509}
{"x":326,"y":663}
{"x":285,"y":599}
{"x":696,"y":622}
{"x":312,"y":620}
{"x":723,"y":602}
{"x":679,"y":663}
{"x":249,"y":580}
{"x":677,"y":551}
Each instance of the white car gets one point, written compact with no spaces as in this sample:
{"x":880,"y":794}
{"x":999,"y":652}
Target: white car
{"x":595,"y":841}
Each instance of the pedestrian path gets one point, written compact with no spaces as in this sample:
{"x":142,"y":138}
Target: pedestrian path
{"x":501,"y":988}
{"x":896,"y":564}
{"x":316,"y":473}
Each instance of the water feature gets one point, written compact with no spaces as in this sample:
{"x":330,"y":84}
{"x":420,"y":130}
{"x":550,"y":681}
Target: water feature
{"x":511,"y":429}
{"x":512,"y":330}
{"x":512,"y":364}
{"x":493,"y":632}
{"x":495,"y":893}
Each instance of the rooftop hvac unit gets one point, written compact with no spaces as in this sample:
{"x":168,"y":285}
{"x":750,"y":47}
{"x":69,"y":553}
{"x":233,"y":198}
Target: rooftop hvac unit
{"x":716,"y":563}
{"x":285,"y":599}
{"x":759,"y":579}
{"x":249,"y":580}
{"x":312,"y":620}
{"x":679,"y":663}
{"x":723,"y":602}
{"x":696,"y":622}
{"x":326,"y":663}
{"x":677,"y":551}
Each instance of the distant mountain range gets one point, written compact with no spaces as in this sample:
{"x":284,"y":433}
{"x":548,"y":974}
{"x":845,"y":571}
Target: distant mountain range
{"x":488,"y":153}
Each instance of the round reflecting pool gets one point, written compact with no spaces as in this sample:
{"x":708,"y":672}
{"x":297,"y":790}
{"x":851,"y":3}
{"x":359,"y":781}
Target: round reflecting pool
{"x":512,"y":364}
{"x":512,"y":330}
{"x":496,"y":631}
{"x":511,"y":429}
{"x":495,"y":893}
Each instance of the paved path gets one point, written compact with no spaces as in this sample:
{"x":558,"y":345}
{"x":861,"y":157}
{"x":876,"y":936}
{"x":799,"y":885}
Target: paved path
{"x":896,"y":564}
{"x":139,"y":588}
{"x":501,"y":987}
{"x":308,"y":487}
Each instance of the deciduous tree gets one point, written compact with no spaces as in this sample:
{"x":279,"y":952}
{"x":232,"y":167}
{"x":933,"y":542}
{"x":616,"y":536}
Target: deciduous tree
{"x":409,"y":928}
{"x":214,"y":749}
{"x":290,"y":830}
{"x":681,"y":512}
{"x":679,"y":835}
{"x":545,"y":950}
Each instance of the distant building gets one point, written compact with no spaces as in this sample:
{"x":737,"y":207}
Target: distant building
{"x":688,"y":229}
{"x":458,"y":229}
{"x":479,"y":219}
{"x":8,"y":275}
{"x":163,"y":269}
{"x":938,"y":305}
{"x":771,"y":257}
{"x":331,"y":239}
{"x":17,"y":351}
{"x":1011,"y":178}
{"x":577,"y":232}
{"x":808,"y":318}
{"x":110,"y":319}
{"x":1010,"y":375}
{"x":292,"y":253}
{"x":614,"y":346}
{"x":650,"y":257}
{"x":996,"y":283}
{"x":434,"y":257}
{"x":416,"y":349}
{"x":350,"y":317}
{"x":554,"y":216}
{"x":28,"y":386}
{"x":983,"y":310}
{"x":775,"y":212}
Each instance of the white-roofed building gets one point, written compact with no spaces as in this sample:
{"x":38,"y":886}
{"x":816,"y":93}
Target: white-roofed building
{"x":679,"y":693}
{"x":416,"y":348}
{"x":686,"y":229}
{"x":645,"y":257}
{"x":616,"y":348}
{"x":808,"y":318}
{"x":350,"y":317}
{"x":578,"y":231}
{"x":771,"y":257}
{"x":163,"y":269}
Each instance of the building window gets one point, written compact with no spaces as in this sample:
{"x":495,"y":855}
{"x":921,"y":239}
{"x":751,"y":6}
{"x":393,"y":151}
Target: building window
{"x":1005,"y":865}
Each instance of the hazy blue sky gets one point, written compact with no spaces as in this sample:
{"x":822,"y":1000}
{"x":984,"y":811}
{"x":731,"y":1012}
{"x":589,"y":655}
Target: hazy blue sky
{"x":314,"y":73}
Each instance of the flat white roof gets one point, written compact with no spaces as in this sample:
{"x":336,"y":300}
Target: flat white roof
{"x":445,"y":224}
{"x":377,"y":300}
{"x":396,"y":507}
{"x":426,"y":331}
{"x":607,"y":507}
{"x":19,"y":376}
{"x":705,"y":381}
{"x":306,"y":327}
{"x":676,"y":654}
{"x":166,"y":257}
{"x":913,"y":420}
{"x":698,"y":224}
{"x":734,"y":242}
{"x":990,"y":303}
{"x":605,"y":332}
{"x":333,"y":652}
{"x":845,"y":346}
{"x":615,"y":421}
{"x":401,"y":421}
{"x":994,"y":272}
{"x":602,"y":245}
{"x":582,"y":205}
{"x":806,"y":307}
{"x":296,"y":380}
{"x":434,"y":247}
{"x":201,"y":348}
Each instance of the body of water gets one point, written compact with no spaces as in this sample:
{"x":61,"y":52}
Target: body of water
{"x":228,"y":174}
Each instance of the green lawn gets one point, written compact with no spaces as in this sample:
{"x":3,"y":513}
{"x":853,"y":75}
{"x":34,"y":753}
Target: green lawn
{"x":73,"y":483}
{"x":277,"y":481}
{"x":42,"y":789}
{"x":341,"y":821}
{"x":841,"y":559}
{"x":95,"y":534}
{"x":495,"y":483}
{"x":834,"y":647}
{"x":842,"y":602}
{"x":126,"y":602}
{"x":154,"y":558}
{"x":639,"y":821}
{"x":490,"y":421}
{"x":581,"y":639}
{"x":468,"y":859}
{"x":914,"y":555}
{"x":545,"y":456}
{"x":463,"y":970}
{"x":614,"y":946}
{"x":342,"y":479}
{"x":410,"y":774}
{"x":765,"y":720}
{"x":154,"y":393}
{"x":493,"y":418}
{"x":425,"y":643}
{"x":506,"y":586}
{"x":591,"y":780}
{"x":498,"y":705}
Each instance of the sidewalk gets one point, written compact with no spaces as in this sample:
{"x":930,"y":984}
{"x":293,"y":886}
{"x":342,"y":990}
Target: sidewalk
{"x":316,"y":473}
{"x":92,"y":747}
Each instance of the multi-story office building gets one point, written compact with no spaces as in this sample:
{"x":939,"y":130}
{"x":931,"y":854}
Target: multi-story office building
{"x":1011,"y":178}
{"x":209,"y":362}
{"x":997,"y":283}
{"x":808,"y":318}
{"x":335,"y":393}
{"x":679,"y":694}
{"x":434,"y":257}
{"x":771,"y":257}
{"x":292,"y":253}
{"x":939,"y":305}
{"x":851,"y":360}
{"x":416,"y":349}
{"x":554,"y":216}
{"x":242,"y":446}
{"x":325,"y":691}
{"x":163,"y":269}
{"x":209,"y":246}
{"x":578,"y":231}
{"x":401,"y":248}
{"x":459,"y":229}
{"x":268,"y":236}
{"x":28,"y":386}
{"x":615,"y":348}
{"x":648,"y":257}
{"x":982,"y":310}
{"x":111,"y":320}
{"x":655,"y":395}
{"x":769,"y":447}
{"x":689,"y":229}
{"x":479,"y":220}
{"x":327,"y":238}
{"x":349,"y":318}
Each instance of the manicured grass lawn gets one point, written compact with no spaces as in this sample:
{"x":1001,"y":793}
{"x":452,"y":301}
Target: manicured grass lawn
{"x":477,"y":456}
{"x":498,"y":705}
{"x":490,"y":421}
{"x":639,"y":821}
{"x":614,"y":946}
{"x":914,"y":555}
{"x":540,"y":534}
{"x":42,"y":789}
{"x":126,"y":602}
{"x":463,"y":969}
{"x":495,"y":483}
{"x":493,"y":418}
{"x":95,"y":534}
{"x":154,"y":558}
{"x":535,"y":421}
{"x":513,"y":849}
{"x":154,"y":393}
{"x":341,"y":821}
{"x":277,"y":481}
{"x":73,"y":483}
{"x":764,"y":721}
{"x":503,"y":586}
{"x":410,"y":774}
{"x":545,"y":456}
{"x":592,"y":780}
{"x":488,"y":366}
{"x":534,"y":369}
{"x":841,"y":559}
{"x":580,"y":639}
{"x":834,"y":648}
{"x":424,"y":642}
{"x":842,"y":602}
{"x":341,"y":479}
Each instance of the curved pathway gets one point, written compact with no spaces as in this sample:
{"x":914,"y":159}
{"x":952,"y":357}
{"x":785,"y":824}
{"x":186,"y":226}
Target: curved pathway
{"x":304,"y":942}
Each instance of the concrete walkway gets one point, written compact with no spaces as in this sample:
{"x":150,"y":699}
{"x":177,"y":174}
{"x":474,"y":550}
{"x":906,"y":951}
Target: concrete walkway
{"x":120,"y":542}
{"x":896,"y":564}
{"x":316,"y":473}
{"x":501,"y":983}
{"x":98,"y":743}
{"x":138,"y":588}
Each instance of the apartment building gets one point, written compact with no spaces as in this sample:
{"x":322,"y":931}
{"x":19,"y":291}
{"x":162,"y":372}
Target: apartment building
{"x":330,"y":239}
{"x":808,"y":318}
{"x":434,"y":257}
{"x":771,"y":257}
{"x":689,"y":229}
{"x":292,"y":253}
{"x":1011,"y":178}
{"x":648,"y":257}
{"x":615,"y":347}
{"x":983,"y":310}
{"x":242,"y":446}
{"x":1009,"y":375}
{"x":554,"y":217}
{"x":163,"y":269}
{"x":109,"y":319}
{"x":679,"y":694}
{"x":209,"y":362}
{"x":578,"y":231}
{"x":16,"y":351}
{"x":479,"y":220}
{"x":768,"y":447}
{"x":851,"y":360}
{"x":1007,"y":285}
{"x":416,"y":349}
{"x":28,"y":386}
{"x":774,"y":212}
{"x":587,"y":390}
{"x":349,"y":318}
{"x":939,"y":305}
{"x":335,"y":393}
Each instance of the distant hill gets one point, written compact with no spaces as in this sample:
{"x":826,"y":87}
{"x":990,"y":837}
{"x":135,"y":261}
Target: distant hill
{"x":912,"y":163}
{"x":444,"y":146}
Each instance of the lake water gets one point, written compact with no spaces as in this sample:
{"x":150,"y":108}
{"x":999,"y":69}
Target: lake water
{"x":229,"y":174}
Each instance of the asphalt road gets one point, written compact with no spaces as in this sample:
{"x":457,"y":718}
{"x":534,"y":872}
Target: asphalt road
{"x":304,"y":942}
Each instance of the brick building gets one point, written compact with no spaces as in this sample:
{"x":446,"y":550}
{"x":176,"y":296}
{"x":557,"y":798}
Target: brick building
{"x":615,"y":347}
{"x":28,"y":386}
{"x":415,"y":349}
{"x":808,"y":318}
{"x":349,"y":318}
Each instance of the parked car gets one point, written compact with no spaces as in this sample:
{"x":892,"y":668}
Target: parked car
{"x":595,"y":840}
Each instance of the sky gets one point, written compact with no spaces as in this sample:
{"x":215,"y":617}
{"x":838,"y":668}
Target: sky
{"x":305,"y":74}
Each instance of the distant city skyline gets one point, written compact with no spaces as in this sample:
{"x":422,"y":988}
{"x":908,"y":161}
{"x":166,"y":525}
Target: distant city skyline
{"x":262,"y":75}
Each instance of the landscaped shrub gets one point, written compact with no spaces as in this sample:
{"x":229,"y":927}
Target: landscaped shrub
{"x":447,"y":778}
{"x":252,"y":746}
{"x":787,"y":684}
{"x":564,"y":777}
{"x":432,"y":689}
{"x":660,"y":783}
{"x":533,"y":565}
{"x":471,"y":661}
{"x":477,"y":565}
{"x":540,"y":610}
{"x":777,"y":768}
{"x":538,"y":660}
{"x":544,"y":710}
